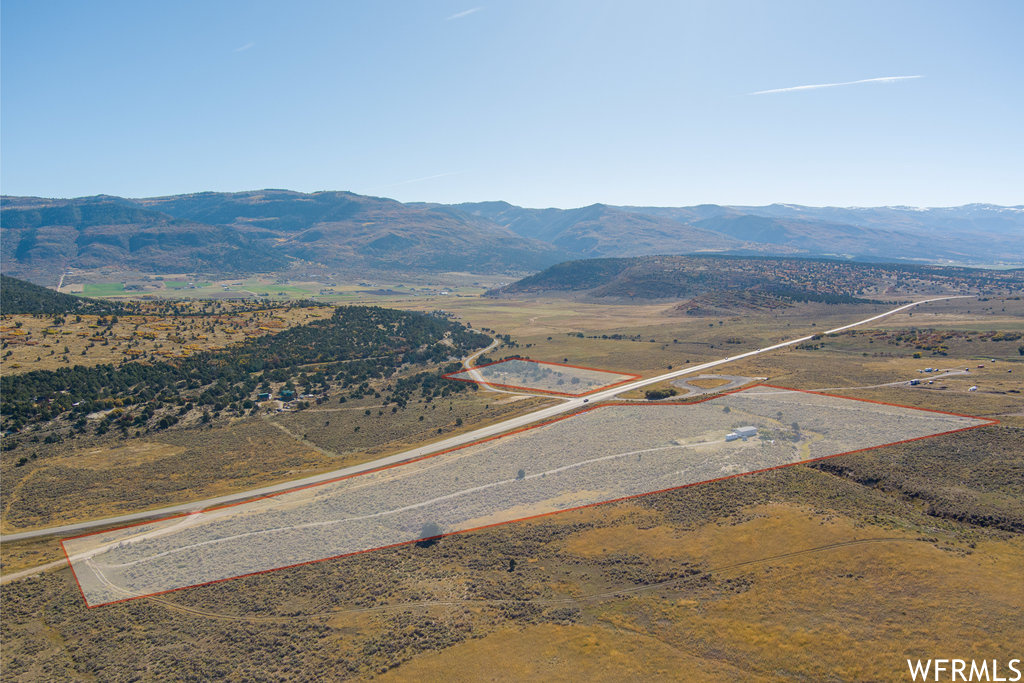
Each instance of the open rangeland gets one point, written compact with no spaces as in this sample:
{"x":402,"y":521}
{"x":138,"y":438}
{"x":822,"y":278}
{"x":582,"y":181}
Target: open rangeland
{"x":893,"y":553}
{"x":372,"y":288}
{"x":712,"y":579}
{"x":37,"y":342}
{"x":610,"y":452}
{"x":71,"y":482}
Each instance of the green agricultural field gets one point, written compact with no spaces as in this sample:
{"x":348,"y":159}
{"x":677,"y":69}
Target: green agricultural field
{"x":182,"y":284}
{"x":283,"y":291}
{"x":102,"y":288}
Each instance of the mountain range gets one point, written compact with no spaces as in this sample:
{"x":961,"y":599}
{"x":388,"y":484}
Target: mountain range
{"x":280,"y":230}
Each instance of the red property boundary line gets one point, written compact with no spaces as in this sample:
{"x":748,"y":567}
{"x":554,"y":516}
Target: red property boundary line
{"x":987,"y":422}
{"x":630,"y":377}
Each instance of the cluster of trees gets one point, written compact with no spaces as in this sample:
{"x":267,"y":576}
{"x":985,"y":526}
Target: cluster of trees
{"x":200,"y":307}
{"x":431,"y":385}
{"x":659,"y":394}
{"x":19,"y":296}
{"x":355,"y":345}
{"x":806,"y":295}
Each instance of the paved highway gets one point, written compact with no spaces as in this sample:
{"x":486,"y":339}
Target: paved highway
{"x":568,"y":405}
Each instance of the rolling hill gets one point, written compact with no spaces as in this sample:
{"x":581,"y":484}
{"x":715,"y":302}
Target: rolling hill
{"x":722,"y":282}
{"x":19,"y":296}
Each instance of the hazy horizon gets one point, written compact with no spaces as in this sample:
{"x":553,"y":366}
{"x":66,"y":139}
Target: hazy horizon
{"x":484,"y":201}
{"x":539,"y":104}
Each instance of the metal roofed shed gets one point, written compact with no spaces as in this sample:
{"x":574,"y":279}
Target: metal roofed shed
{"x":741,"y":433}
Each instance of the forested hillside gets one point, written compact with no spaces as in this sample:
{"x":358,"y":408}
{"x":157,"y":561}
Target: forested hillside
{"x":256,"y":232}
{"x":782,"y":279}
{"x":19,"y":296}
{"x":43,"y":236}
{"x":357,"y":343}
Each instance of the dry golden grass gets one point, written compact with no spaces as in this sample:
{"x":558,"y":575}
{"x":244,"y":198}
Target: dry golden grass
{"x":546,"y":316}
{"x":15,"y":557}
{"x":551,"y":652}
{"x":844,"y":374}
{"x":874,"y":604}
{"x":841,"y":364}
{"x":652,"y":541}
{"x":133,"y":454}
{"x":676,"y":338}
{"x":998,"y":313}
{"x":67,"y":483}
{"x":821,"y":597}
{"x":709,"y":383}
{"x":824,"y":578}
{"x":75,"y":484}
{"x":333,"y":426}
{"x":36,"y":343}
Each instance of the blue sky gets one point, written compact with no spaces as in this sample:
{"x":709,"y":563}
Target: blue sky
{"x":546,"y":103}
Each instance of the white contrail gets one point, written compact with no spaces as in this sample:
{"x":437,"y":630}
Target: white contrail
{"x":464,"y":13}
{"x":884,"y":79}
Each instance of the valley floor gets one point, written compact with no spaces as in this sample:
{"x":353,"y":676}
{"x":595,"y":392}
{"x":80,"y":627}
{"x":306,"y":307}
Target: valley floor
{"x":841,"y":569}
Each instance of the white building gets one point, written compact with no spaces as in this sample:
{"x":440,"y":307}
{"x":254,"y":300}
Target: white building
{"x":741,"y":433}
